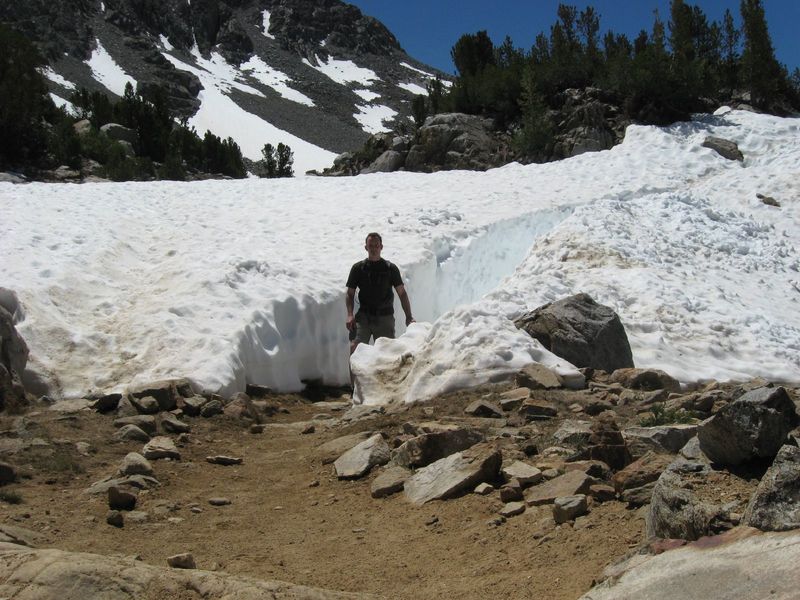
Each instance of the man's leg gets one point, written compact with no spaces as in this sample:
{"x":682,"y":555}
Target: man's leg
{"x":362,"y":333}
{"x":383,"y":326}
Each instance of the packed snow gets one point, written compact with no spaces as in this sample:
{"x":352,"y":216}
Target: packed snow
{"x":236,"y":282}
{"x":373,"y":117}
{"x":275,"y":79}
{"x":106,"y":70}
{"x":265,"y":17}
{"x":343,"y":71}
{"x":414,"y":88}
{"x":56,"y":78}
{"x":408,"y":66}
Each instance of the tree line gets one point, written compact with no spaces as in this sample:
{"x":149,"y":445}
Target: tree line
{"x":663,"y":75}
{"x":38,"y":135}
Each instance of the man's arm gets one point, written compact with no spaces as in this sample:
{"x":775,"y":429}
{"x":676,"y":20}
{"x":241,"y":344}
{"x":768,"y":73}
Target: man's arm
{"x":349,"y":302}
{"x":404,"y":302}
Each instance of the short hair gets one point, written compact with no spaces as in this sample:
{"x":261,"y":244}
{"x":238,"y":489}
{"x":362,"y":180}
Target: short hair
{"x":374,"y":234}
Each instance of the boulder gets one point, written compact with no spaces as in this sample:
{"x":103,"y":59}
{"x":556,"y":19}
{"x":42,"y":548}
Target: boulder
{"x":569,"y":508}
{"x":581,"y":331}
{"x":330,"y":451}
{"x":390,"y":481}
{"x":193,"y":405}
{"x":172,"y":424}
{"x":146,"y":405}
{"x":538,"y":377}
{"x":646,"y":469}
{"x":146,"y":423}
{"x":753,"y":426}
{"x":646,"y":380}
{"x":606,"y":444}
{"x":662,"y":438}
{"x":424,"y":449}
{"x":482,"y":408}
{"x":512,"y":509}
{"x":725,"y":148}
{"x":8,"y":473}
{"x":523,"y":472}
{"x":742,"y":563}
{"x":568,"y":484}
{"x":131,"y":433}
{"x":387,"y":162}
{"x":119,"y":133}
{"x":135,"y":464}
{"x":537,"y":410}
{"x":358,"y":461}
{"x":161,"y":447}
{"x":13,"y":353}
{"x":165,"y":392}
{"x":573,"y":433}
{"x":775,"y":505}
{"x":454,"y":474}
{"x":121,"y":498}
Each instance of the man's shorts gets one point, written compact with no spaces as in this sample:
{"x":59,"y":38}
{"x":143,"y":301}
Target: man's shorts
{"x":373,"y":326}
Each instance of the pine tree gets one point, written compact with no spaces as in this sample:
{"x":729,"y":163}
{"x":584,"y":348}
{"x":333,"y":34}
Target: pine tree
{"x":761,"y":72}
{"x":419,"y":110}
{"x":269,"y":162}
{"x":730,"y":52}
{"x":285,"y":161}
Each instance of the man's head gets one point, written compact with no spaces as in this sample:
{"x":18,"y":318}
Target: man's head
{"x":373,"y":245}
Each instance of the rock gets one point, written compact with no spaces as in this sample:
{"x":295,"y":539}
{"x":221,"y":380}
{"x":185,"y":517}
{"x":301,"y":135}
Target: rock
{"x":606,"y":444}
{"x":429,"y":447}
{"x":568,"y":484}
{"x":753,"y":426}
{"x":125,"y":408}
{"x":646,"y":379}
{"x":330,"y":451}
{"x":573,"y":433}
{"x":172,"y":424}
{"x":11,"y":534}
{"x":538,"y":377}
{"x":602,"y":492}
{"x":141,"y":482}
{"x":581,"y":331}
{"x":569,"y":508}
{"x":358,"y":461}
{"x":308,"y":429}
{"x":135,"y":464}
{"x":725,"y":148}
{"x":241,"y":407}
{"x":482,"y":408}
{"x":511,"y":491}
{"x":224,"y":460}
{"x":662,"y":438}
{"x":211,"y":409}
{"x":387,"y":162}
{"x":362,"y":411}
{"x":768,"y":200}
{"x":193,"y":405}
{"x":166,"y":392}
{"x":775,"y":505}
{"x":219,"y":501}
{"x":146,"y":405}
{"x":645,"y":470}
{"x":513,"y":399}
{"x":8,"y":474}
{"x":742,"y":563}
{"x":117,"y":132}
{"x":13,"y":352}
{"x":676,"y":511}
{"x":82,"y":127}
{"x":48,"y":573}
{"x":453,"y":474}
{"x":390,"y":481}
{"x":121,"y":498}
{"x":161,"y":447}
{"x":107,"y":403}
{"x":524,"y":473}
{"x":181,"y":561}
{"x":146,"y":423}
{"x":131,"y":433}
{"x":115,"y":518}
{"x":512,"y":509}
{"x":635,"y":497}
{"x":537,"y":410}
{"x":483,"y":489}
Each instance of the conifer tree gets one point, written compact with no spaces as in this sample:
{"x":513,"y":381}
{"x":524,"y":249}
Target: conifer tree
{"x":285,"y":158}
{"x":761,"y":72}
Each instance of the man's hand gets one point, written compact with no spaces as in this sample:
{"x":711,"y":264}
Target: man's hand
{"x":351,"y":323}
{"x":409,"y":321}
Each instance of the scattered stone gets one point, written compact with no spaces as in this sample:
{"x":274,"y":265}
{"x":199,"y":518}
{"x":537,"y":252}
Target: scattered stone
{"x":453,"y":474}
{"x":161,"y":447}
{"x":220,"y":501}
{"x":513,"y":399}
{"x":538,"y":377}
{"x":429,"y":447}
{"x":482,"y":408}
{"x":768,"y":200}
{"x":753,"y":426}
{"x":646,"y":469}
{"x":8,"y":473}
{"x":257,"y":428}
{"x":172,"y":424}
{"x":602,"y":492}
{"x":358,"y":461}
{"x":146,"y":423}
{"x":121,"y":498}
{"x":573,"y":433}
{"x":135,"y":464}
{"x":224,"y":460}
{"x":484,"y":489}
{"x":775,"y":505}
{"x":606,"y":444}
{"x":181,"y":561}
{"x":663,"y":438}
{"x":569,"y":508}
{"x":725,"y":148}
{"x":362,"y":411}
{"x":526,"y":474}
{"x":390,"y":481}
{"x":676,"y":511}
{"x":536,"y":410}
{"x":330,"y":451}
{"x":512,"y":509}
{"x":146,"y":405}
{"x":130,"y":433}
{"x":115,"y":518}
{"x":211,"y":409}
{"x":141,"y":482}
{"x":165,"y":392}
{"x":125,"y":408}
{"x":511,"y":491}
{"x":107,"y":403}
{"x":581,"y":331}
{"x":193,"y":405}
{"x":645,"y":379}
{"x":308,"y":429}
{"x":568,"y":484}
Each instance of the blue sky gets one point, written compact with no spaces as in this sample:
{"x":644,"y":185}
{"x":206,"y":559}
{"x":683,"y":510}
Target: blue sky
{"x":427,"y":29}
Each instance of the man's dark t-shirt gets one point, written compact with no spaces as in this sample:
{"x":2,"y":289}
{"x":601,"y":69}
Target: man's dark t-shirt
{"x":375,"y":281}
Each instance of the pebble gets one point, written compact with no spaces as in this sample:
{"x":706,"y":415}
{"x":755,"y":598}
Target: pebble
{"x":224,"y":460}
{"x":219,"y":501}
{"x":182,"y":561}
{"x":115,"y":518}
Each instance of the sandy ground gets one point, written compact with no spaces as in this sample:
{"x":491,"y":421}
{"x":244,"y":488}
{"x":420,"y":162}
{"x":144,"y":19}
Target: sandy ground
{"x":291,"y":519}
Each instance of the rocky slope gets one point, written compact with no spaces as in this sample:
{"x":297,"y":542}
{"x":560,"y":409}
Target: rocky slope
{"x":288,"y":62}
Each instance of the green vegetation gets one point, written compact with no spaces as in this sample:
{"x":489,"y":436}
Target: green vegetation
{"x":275,"y":162}
{"x":10,"y":497}
{"x":661,"y":415}
{"x":685,"y":65}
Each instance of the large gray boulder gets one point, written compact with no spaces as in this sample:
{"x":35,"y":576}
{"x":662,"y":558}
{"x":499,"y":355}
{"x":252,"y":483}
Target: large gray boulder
{"x":742,"y":563}
{"x":725,"y":148}
{"x":387,"y":162}
{"x":581,"y":331}
{"x":454,"y":474}
{"x":13,"y":352}
{"x":775,"y":505}
{"x":119,"y":133}
{"x":358,"y":461}
{"x":753,"y":426}
{"x":44,"y":574}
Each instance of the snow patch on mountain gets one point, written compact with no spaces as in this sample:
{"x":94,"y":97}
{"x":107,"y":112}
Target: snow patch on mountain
{"x":106,"y":70}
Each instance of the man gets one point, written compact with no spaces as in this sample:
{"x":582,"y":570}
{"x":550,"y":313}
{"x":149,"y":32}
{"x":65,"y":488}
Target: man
{"x":374,"y":278}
